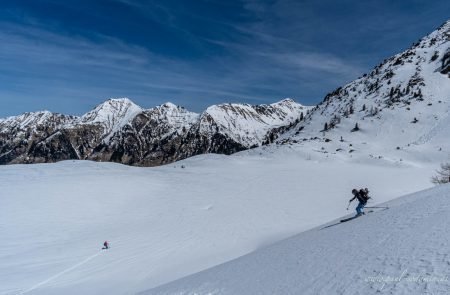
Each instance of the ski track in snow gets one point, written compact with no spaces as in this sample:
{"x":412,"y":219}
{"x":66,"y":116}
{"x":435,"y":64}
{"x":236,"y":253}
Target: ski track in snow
{"x":60,"y":274}
{"x":440,"y":127}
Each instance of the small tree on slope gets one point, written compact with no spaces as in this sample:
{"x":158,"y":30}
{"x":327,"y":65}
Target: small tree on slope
{"x":443,"y":175}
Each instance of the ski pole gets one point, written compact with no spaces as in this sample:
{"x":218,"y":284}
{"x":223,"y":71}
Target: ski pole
{"x":348,"y":204}
{"x":381,"y":207}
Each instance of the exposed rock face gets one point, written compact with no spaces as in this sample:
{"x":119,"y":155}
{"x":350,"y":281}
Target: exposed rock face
{"x":120,"y":131}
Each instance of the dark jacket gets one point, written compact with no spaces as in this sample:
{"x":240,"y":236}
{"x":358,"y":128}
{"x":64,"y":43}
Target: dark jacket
{"x":360,"y":196}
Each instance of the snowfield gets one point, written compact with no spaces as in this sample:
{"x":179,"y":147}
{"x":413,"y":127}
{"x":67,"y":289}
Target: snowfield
{"x":169,"y":222}
{"x":402,"y":250}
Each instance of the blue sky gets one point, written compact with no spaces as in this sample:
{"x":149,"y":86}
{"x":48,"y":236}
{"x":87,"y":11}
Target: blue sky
{"x":68,"y":56}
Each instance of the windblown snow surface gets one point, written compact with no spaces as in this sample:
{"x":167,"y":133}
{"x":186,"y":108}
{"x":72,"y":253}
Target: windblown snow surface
{"x":401,"y":250}
{"x":168,"y":222}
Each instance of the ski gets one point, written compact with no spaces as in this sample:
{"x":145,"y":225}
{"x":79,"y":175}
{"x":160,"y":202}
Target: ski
{"x":356,"y":216}
{"x":350,"y":218}
{"x":353,"y":217}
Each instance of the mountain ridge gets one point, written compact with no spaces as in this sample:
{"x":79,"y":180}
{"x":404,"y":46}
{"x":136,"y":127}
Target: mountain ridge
{"x":399,"y":104}
{"x":119,"y":130}
{"x":403,"y":102}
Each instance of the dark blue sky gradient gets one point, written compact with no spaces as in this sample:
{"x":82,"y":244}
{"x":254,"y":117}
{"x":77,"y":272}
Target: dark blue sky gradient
{"x":68,"y":56}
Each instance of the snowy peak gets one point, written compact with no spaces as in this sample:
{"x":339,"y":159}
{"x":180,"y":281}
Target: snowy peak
{"x":169,"y":105}
{"x":249,"y":124}
{"x":174,"y":115}
{"x":288,"y":102}
{"x":119,"y":130}
{"x":112,"y":115}
{"x":442,"y":34}
{"x":403,"y":99}
{"x":33,"y":120}
{"x":112,"y":111}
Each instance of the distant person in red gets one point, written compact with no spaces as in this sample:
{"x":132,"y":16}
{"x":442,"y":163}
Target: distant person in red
{"x":106,"y":245}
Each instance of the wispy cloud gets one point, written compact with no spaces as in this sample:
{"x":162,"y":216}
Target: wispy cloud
{"x":72,"y":68}
{"x":36,"y":59}
{"x":207,"y":52}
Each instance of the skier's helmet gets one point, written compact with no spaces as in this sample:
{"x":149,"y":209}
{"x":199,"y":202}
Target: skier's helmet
{"x":354,"y":191}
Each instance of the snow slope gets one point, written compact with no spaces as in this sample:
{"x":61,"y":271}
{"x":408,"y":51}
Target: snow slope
{"x":402,"y":250}
{"x":167,"y":222}
{"x":403,"y":102}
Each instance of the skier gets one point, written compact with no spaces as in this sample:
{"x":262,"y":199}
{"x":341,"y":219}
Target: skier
{"x":106,"y":245}
{"x":362,"y":196}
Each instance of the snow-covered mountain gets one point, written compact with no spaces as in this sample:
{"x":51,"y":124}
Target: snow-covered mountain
{"x":249,"y":124}
{"x":20,"y":135}
{"x":34,"y":121}
{"x":112,"y":115}
{"x":402,"y":103}
{"x":121,"y":131}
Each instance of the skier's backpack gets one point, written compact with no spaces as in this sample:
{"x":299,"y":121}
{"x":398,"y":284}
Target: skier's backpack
{"x":364,"y":193}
